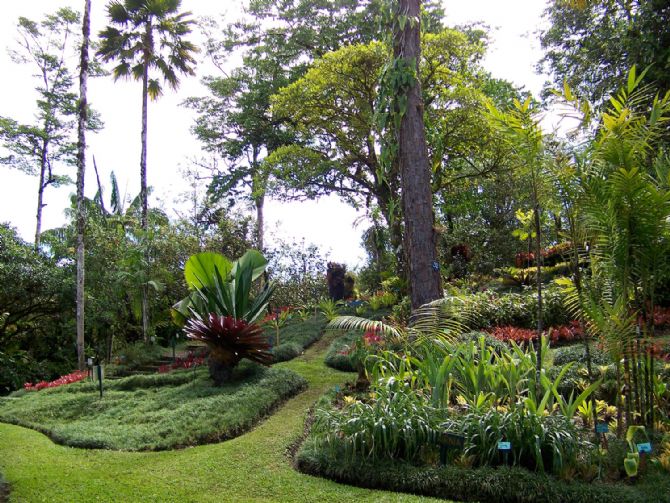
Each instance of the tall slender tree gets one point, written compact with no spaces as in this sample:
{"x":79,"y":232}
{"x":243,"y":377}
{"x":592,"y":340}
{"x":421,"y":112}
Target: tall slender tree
{"x":38,"y":148}
{"x":81,"y":170}
{"x":147,"y":35}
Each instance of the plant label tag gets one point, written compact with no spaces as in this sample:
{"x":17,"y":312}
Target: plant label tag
{"x":453,"y":441}
{"x":602,"y":428}
{"x":337,"y":389}
{"x":645,"y":447}
{"x":504,"y":446}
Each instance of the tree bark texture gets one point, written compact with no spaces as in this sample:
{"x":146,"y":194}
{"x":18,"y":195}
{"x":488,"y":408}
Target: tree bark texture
{"x":40,"y":193}
{"x":81,"y":170}
{"x":420,"y":238}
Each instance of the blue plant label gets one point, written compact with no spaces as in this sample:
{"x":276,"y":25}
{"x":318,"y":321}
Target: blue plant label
{"x":337,"y":389}
{"x":435,"y":265}
{"x":504,"y":446}
{"x":602,"y":428}
{"x":645,"y":447}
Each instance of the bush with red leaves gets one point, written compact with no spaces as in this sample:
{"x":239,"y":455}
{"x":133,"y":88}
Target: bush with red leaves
{"x":192,"y":360}
{"x":75,"y":376}
{"x":557,"y":335}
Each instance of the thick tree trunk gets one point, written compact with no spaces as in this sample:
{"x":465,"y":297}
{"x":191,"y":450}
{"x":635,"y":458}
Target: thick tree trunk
{"x":40,"y":194}
{"x":81,"y":170}
{"x":420,"y":239}
{"x":143,"y":174}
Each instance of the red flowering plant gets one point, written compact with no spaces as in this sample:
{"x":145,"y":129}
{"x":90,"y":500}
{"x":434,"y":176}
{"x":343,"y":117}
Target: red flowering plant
{"x":75,"y":376}
{"x":371,"y":340}
{"x":191,"y":360}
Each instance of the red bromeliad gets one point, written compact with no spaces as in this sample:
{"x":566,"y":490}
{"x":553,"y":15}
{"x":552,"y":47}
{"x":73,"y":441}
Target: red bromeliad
{"x":229,"y":341}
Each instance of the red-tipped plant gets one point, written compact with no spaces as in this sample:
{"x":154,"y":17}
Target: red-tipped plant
{"x":229,"y":340}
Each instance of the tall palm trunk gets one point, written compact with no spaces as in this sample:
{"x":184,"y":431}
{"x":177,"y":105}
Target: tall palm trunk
{"x":143,"y":176}
{"x":81,"y":170}
{"x":417,"y":198}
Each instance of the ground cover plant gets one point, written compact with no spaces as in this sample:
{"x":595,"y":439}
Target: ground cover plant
{"x":296,"y":335}
{"x":154,"y":412}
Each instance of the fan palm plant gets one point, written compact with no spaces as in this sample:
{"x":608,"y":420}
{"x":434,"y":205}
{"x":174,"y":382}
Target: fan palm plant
{"x":147,"y":35}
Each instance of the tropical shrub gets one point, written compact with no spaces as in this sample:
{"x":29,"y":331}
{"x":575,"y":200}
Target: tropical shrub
{"x":557,"y":335}
{"x":397,"y":423}
{"x":577,"y":353}
{"x":490,"y":309}
{"x":538,"y":442}
{"x":221,"y":312}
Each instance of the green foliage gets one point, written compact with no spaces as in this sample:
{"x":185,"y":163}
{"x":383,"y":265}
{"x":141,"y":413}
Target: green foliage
{"x":396,"y":423}
{"x":339,"y":352}
{"x":541,"y":443}
{"x":145,"y":36}
{"x":223,"y":287}
{"x":163,"y":411}
{"x":298,"y":272}
{"x":382,"y":300}
{"x":35,"y":337}
{"x":577,"y":353}
{"x":591,"y":45}
{"x":491,"y":342}
{"x":135,"y":355}
{"x":329,"y":309}
{"x":517,"y":309}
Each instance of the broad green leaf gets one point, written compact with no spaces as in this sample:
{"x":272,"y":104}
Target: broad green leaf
{"x":251,"y":259}
{"x":199,"y":269}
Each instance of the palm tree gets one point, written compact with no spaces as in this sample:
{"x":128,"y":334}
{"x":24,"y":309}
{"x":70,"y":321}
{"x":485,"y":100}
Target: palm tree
{"x":148,"y":35}
{"x":81,"y":169}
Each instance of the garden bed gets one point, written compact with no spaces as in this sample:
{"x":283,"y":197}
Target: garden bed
{"x":492,"y":485}
{"x":154,"y":412}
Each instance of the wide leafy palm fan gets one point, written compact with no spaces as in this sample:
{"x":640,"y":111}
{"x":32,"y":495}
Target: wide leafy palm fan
{"x":229,"y":340}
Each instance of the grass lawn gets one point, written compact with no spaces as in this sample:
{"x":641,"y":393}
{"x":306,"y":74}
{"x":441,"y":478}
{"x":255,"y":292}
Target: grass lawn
{"x":252,"y":467}
{"x":154,"y":412}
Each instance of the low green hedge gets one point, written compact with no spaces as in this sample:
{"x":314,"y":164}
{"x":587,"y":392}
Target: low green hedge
{"x":491,"y":309}
{"x":577,"y":353}
{"x":492,"y":485}
{"x":295,"y":336}
{"x":337,"y":356}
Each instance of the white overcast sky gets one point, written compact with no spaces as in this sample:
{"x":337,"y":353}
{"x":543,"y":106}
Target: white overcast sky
{"x":335,"y":227}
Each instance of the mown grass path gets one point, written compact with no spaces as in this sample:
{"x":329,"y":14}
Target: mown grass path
{"x":253,"y":467}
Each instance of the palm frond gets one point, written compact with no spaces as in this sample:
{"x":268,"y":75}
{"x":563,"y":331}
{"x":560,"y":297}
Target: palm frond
{"x":364,"y":325}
